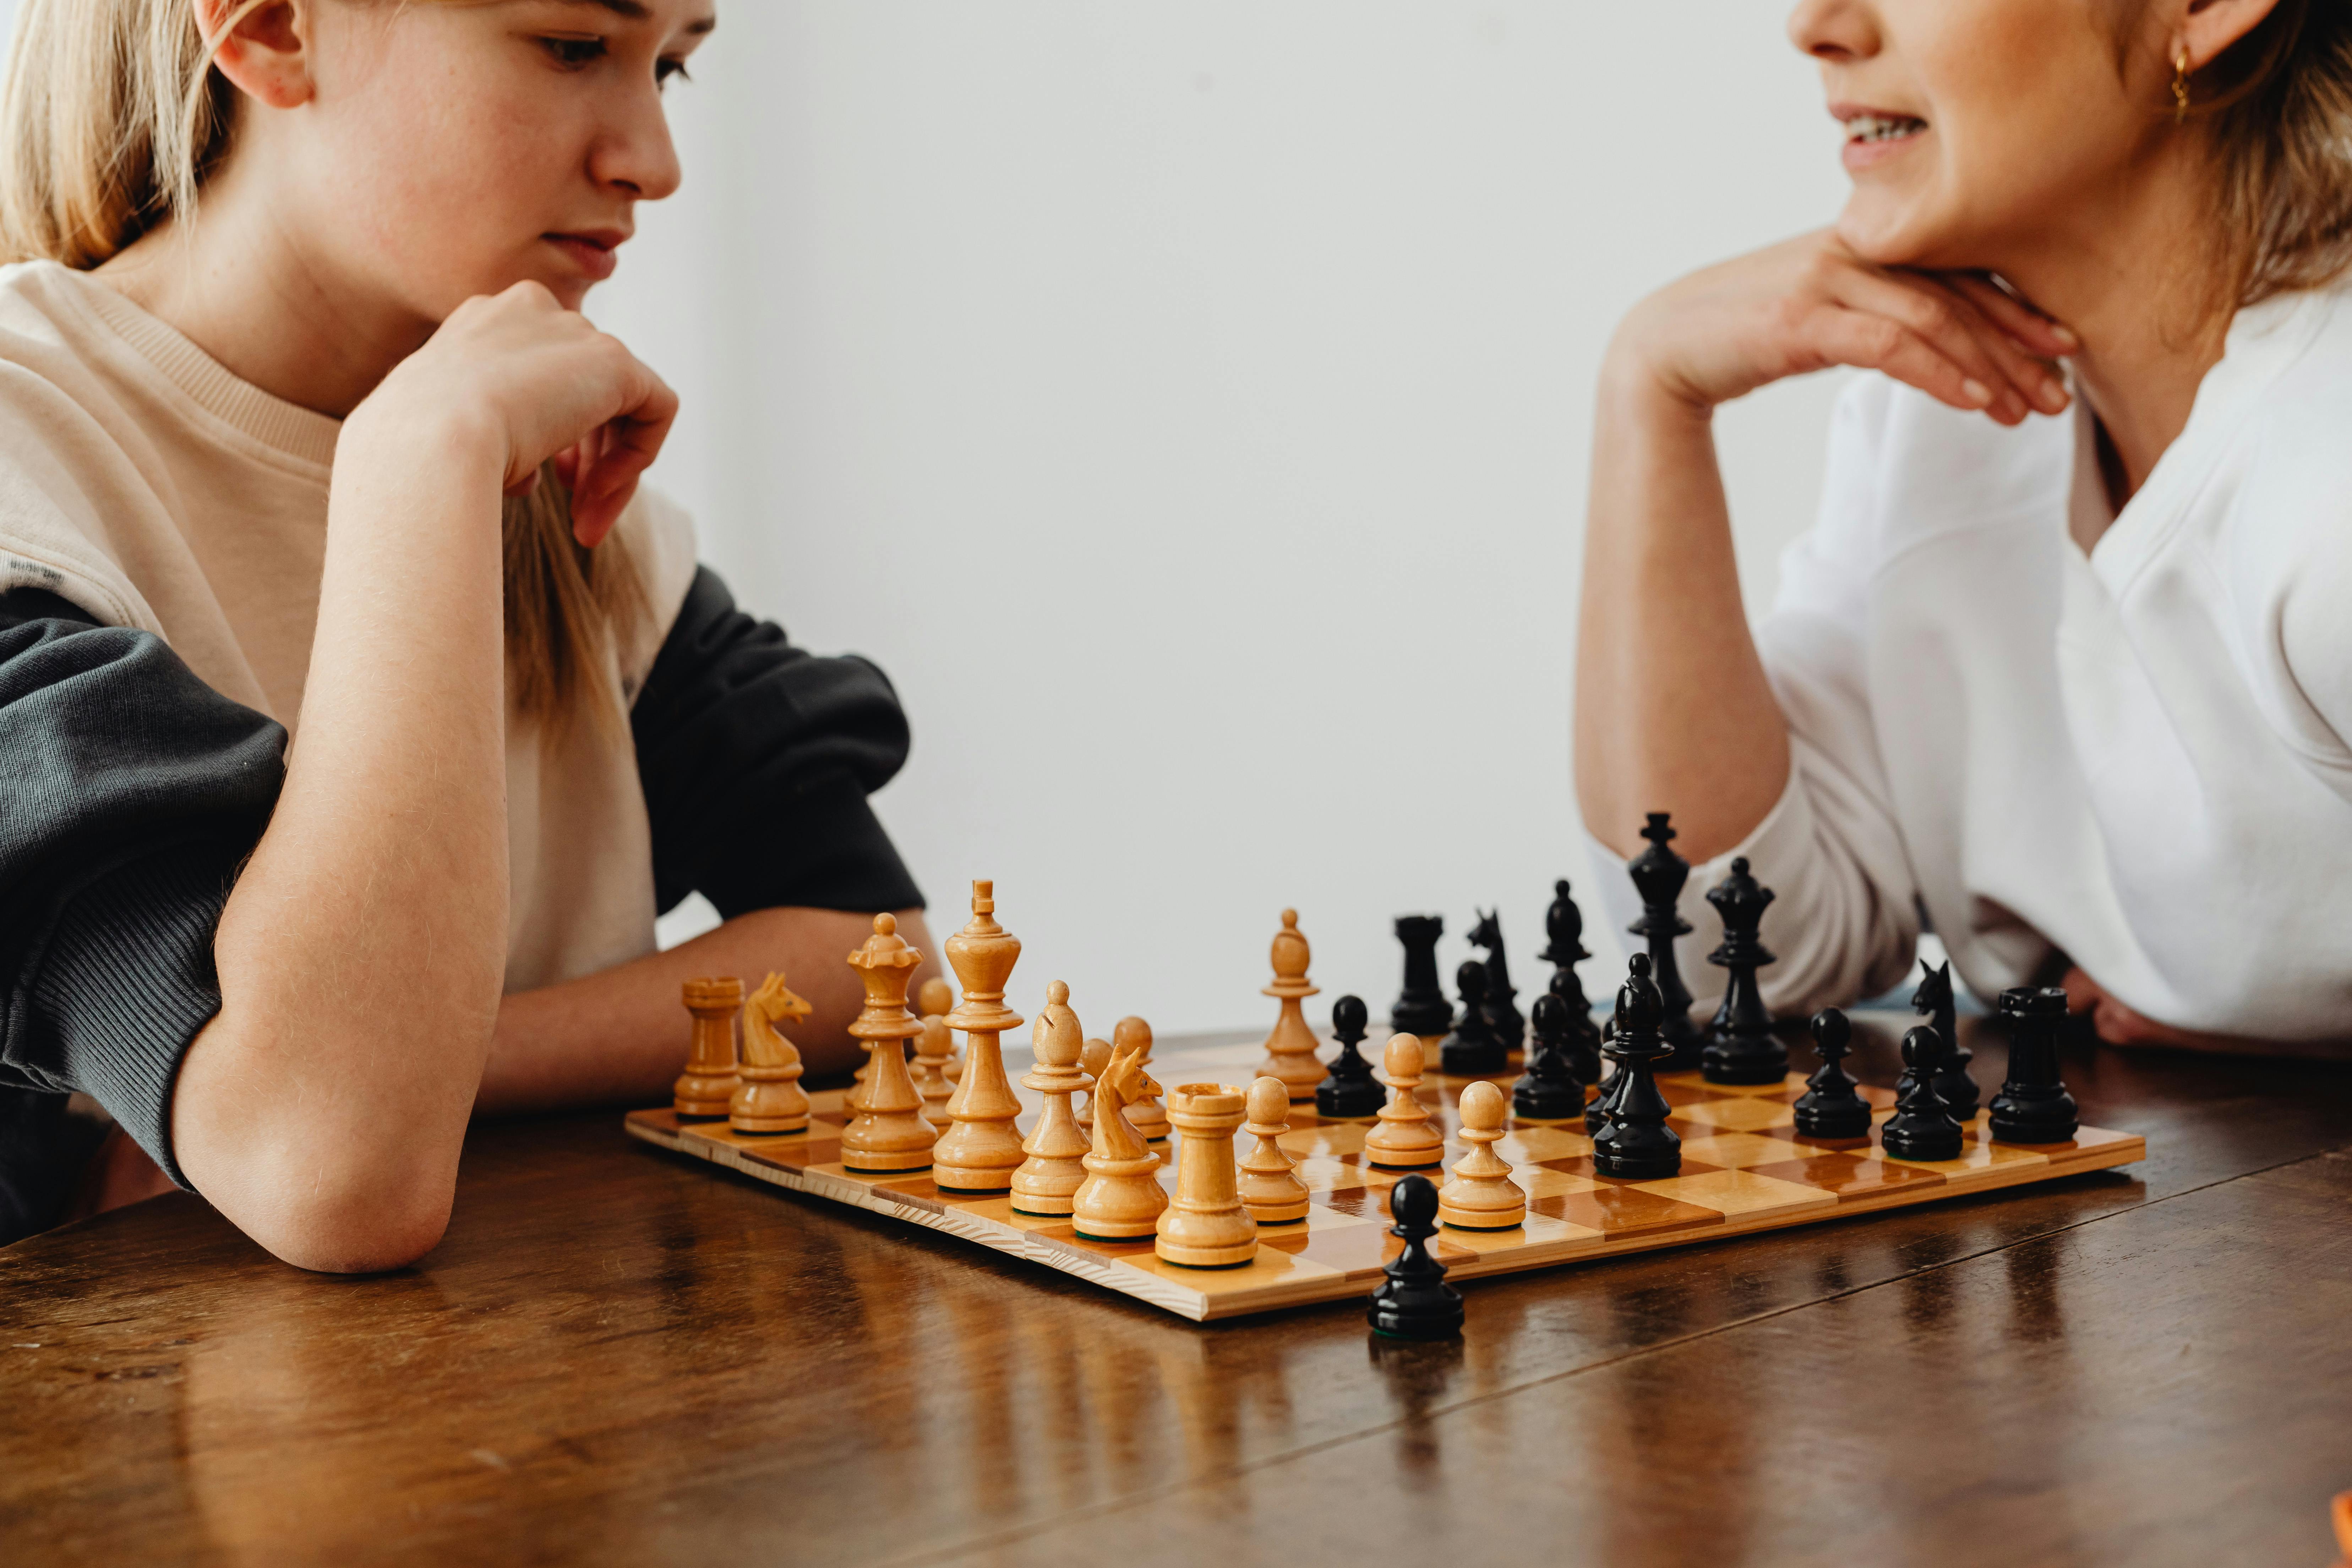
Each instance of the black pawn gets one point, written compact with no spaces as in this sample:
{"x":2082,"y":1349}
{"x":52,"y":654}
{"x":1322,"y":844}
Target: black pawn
{"x":1921,"y":1127}
{"x":1550,"y":1089}
{"x":1658,"y":876}
{"x":1415,"y":1303}
{"x":1502,"y":1018}
{"x":2033,"y":1106}
{"x":1422,"y":1008}
{"x":1350,"y":1090}
{"x":1741,"y":1047}
{"x":1829,"y":1108}
{"x":1637,"y":1143}
{"x":1564,"y":925}
{"x":1472,"y":1050}
{"x":1935,"y":998}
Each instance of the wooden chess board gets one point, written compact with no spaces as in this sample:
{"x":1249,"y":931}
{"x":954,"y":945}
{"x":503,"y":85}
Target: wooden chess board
{"x":1743,"y":1170}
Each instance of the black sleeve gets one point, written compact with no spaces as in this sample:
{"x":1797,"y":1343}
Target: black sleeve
{"x":757,"y":758}
{"x":129,"y":795}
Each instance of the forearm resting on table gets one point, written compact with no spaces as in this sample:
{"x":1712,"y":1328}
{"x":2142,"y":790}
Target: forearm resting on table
{"x":1673,"y":709}
{"x":620,"y":1037}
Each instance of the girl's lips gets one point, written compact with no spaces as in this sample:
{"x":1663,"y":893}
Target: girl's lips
{"x":597,"y":261}
{"x":1859,"y":155}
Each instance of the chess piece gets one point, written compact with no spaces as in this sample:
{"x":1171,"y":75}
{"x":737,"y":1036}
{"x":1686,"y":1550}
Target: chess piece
{"x":934,"y":1054}
{"x":1658,"y":876}
{"x":1145,"y":1115}
{"x":1637,"y":1143}
{"x":1829,"y":1108}
{"x":1548,"y":1090}
{"x":769,"y":1098}
{"x":887,"y":1135}
{"x":1270,"y":1186}
{"x":1351,"y":1090}
{"x":981,"y":1150}
{"x":1935,"y":998}
{"x":1741,"y":1047}
{"x":1473,"y":1049}
{"x":1504,"y":1021}
{"x":1121,"y":1197}
{"x":1422,"y":1007}
{"x":1290,"y":1048}
{"x":703,"y":1089}
{"x":1921,"y":1127}
{"x":1481,"y":1195}
{"x":936,"y":999}
{"x":1415,"y":1303}
{"x":1407,"y":1137}
{"x":1091,"y":1061}
{"x":2033,"y":1106}
{"x":1049,"y":1178}
{"x":1564,"y":928}
{"x":1205,"y":1225}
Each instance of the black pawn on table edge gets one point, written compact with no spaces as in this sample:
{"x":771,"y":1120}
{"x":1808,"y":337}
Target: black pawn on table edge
{"x":1741,"y":1047}
{"x":1935,"y":998}
{"x":1658,"y":876}
{"x":1921,"y":1127}
{"x":1637,"y":1143}
{"x":1472,"y":1050}
{"x":1350,"y":1090}
{"x":1422,"y":1008}
{"x":1829,"y":1108}
{"x":1501,"y":1010}
{"x":1564,"y":925}
{"x":2033,"y":1106}
{"x":1550,"y":1089}
{"x":1415,"y":1303}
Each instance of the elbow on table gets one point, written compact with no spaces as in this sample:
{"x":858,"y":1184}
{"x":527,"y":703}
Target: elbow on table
{"x":343,"y":1213}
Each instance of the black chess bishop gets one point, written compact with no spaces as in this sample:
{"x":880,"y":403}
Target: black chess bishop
{"x":1564,"y":928}
{"x":1658,"y":876}
{"x":1741,"y":1047}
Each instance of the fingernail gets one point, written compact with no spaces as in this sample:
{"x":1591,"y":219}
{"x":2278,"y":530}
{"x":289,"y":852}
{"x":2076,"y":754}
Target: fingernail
{"x":2053,"y":393}
{"x":1978,"y":392}
{"x":2065,"y":336}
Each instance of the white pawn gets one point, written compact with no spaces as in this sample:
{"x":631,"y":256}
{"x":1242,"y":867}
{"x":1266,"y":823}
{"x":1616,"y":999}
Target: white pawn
{"x":1406,"y":1138}
{"x":1270,"y":1186}
{"x":1481,"y":1196}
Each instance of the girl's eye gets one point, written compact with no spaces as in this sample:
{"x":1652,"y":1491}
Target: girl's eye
{"x":664,"y":70}
{"x":574,"y":53}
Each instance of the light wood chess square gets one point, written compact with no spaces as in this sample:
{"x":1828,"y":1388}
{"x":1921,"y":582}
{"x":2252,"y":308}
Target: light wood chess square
{"x":1526,"y":1145}
{"x":1745,"y":1114}
{"x":1737,"y":1192}
{"x":1271,"y":1267}
{"x":1538,"y":1228}
{"x":1318,"y":1174}
{"x":1326,"y":1138}
{"x":1539,"y":1182}
{"x":1738,"y":1150}
{"x":1974,"y":1156}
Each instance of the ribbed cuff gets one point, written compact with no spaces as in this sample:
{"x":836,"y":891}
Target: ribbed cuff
{"x":124,"y":981}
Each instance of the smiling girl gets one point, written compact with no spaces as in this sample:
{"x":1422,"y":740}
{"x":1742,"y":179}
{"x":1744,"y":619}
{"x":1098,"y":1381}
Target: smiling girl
{"x":301,"y":435}
{"x":2065,"y":668}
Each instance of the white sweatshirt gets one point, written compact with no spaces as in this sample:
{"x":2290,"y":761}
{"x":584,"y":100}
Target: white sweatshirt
{"x":2136,"y":758}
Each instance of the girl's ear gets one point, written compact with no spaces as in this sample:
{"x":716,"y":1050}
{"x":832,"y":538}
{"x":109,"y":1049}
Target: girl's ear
{"x":263,"y":49}
{"x":2207,"y":27}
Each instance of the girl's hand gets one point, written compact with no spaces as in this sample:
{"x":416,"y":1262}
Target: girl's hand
{"x":1810,"y":303}
{"x":536,"y":382}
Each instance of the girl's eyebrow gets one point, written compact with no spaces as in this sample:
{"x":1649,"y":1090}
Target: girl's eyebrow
{"x":637,"y":11}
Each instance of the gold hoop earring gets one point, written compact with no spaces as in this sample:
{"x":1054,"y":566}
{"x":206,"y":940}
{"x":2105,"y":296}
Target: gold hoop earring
{"x":2181,"y":87}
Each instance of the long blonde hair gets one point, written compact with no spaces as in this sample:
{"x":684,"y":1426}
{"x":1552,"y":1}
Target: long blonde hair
{"x":113,"y":117}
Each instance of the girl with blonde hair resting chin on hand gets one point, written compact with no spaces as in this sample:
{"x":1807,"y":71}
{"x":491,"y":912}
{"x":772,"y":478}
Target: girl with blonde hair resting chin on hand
{"x":2064,"y":669}
{"x":302,"y":434}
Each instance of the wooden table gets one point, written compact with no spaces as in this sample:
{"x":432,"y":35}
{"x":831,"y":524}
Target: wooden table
{"x":619,"y":1355}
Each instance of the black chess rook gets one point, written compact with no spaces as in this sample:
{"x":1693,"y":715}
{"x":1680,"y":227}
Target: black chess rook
{"x":1741,"y":1047}
{"x":1422,"y":1008}
{"x":2033,"y":1106}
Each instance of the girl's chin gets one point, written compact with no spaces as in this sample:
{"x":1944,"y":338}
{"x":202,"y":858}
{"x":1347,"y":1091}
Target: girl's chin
{"x":1884,"y":232}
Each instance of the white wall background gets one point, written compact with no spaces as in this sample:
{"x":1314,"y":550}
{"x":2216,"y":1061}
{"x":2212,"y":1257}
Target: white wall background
{"x":1187,"y":404}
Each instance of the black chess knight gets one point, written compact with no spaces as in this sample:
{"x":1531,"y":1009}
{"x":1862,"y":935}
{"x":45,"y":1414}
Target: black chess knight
{"x":1637,"y":1142}
{"x":1502,"y":1018}
{"x":1422,"y":1009}
{"x":2033,"y":1106}
{"x":1935,"y":998}
{"x":1472,"y":1050}
{"x":1658,"y":875}
{"x":1349,"y":1089}
{"x":1741,"y":1047}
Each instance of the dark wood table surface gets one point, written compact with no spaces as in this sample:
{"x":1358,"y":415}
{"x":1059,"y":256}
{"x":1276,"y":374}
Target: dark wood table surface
{"x":620,"y":1355}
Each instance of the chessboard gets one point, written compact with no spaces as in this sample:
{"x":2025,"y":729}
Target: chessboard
{"x":1743,"y":1169}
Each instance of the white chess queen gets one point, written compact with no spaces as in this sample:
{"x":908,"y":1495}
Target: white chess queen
{"x":2065,"y":667}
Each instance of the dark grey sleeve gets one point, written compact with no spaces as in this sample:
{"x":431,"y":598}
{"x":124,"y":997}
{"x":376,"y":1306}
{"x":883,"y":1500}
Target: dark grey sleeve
{"x":130,"y":793}
{"x":757,"y":758}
